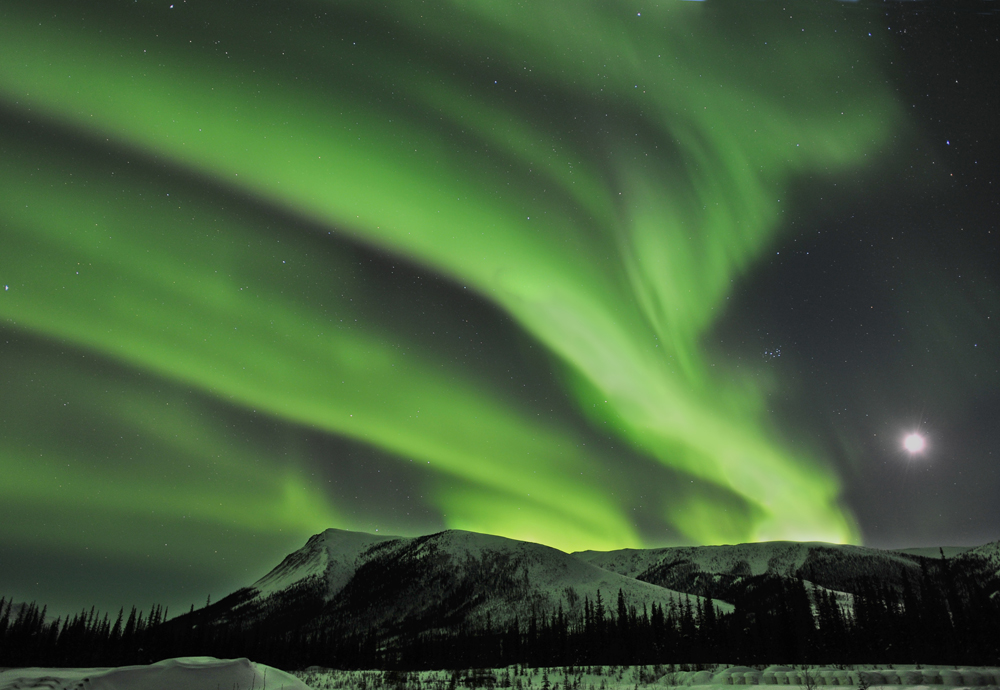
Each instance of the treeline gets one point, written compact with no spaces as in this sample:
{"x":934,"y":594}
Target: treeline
{"x":28,"y":638}
{"x":92,"y":638}
{"x":942,"y":617}
{"x":946,"y":619}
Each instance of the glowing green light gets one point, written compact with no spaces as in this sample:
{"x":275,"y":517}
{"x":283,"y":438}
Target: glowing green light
{"x":604,"y":178}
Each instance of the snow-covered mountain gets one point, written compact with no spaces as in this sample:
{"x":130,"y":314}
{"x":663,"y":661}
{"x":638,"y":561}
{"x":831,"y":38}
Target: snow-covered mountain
{"x":713,"y":570}
{"x":987,"y":553}
{"x":453,"y":578}
{"x":984,"y":562}
{"x":352,"y":584}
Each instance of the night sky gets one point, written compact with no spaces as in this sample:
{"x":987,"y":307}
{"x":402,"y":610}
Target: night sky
{"x":594,"y":273}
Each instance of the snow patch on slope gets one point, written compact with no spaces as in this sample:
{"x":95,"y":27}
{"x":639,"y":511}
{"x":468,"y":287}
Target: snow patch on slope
{"x":333,"y":554}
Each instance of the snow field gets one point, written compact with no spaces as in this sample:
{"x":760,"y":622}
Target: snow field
{"x":655,"y":677}
{"x":208,"y":673}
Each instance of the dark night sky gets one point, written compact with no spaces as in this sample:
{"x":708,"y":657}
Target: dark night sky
{"x":596,"y":275}
{"x":888,"y":291}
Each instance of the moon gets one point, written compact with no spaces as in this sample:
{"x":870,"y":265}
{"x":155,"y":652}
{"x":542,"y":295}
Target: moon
{"x":914,"y":443}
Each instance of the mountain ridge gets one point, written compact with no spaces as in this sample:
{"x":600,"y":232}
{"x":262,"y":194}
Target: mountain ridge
{"x":360,"y":600}
{"x":454,"y":573}
{"x":452,"y":578}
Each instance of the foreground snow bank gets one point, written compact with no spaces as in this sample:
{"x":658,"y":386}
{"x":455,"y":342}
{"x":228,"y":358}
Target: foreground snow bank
{"x":188,"y":673}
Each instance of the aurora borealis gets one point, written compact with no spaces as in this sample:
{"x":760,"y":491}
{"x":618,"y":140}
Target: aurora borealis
{"x":490,"y":253}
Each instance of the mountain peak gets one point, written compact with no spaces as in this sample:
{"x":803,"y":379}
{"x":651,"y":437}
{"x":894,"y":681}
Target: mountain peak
{"x":331,"y":554}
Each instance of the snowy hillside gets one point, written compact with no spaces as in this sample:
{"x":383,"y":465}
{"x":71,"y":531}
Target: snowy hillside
{"x":711,"y":569}
{"x":517,"y":575}
{"x":989,"y":553}
{"x":189,"y":673}
{"x":450,"y":576}
{"x":781,"y":558}
{"x":777,"y":558}
{"x":985,"y":560}
{"x":331,"y":555}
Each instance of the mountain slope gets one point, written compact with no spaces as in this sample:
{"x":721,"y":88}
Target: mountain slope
{"x":331,"y":555}
{"x":715,"y":570}
{"x":359,"y":582}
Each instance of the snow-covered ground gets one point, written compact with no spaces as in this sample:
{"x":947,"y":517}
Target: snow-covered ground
{"x":653,"y":677}
{"x":207,"y":673}
{"x":189,"y":673}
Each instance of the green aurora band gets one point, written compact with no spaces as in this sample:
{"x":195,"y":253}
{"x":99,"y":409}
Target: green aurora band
{"x":602,"y":172}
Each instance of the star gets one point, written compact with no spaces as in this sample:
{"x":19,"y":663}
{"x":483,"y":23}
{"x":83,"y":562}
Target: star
{"x":914,"y":443}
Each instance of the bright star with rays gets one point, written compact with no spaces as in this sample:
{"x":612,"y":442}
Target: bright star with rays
{"x":914,"y":443}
